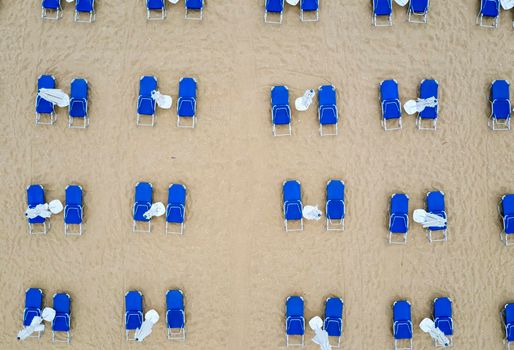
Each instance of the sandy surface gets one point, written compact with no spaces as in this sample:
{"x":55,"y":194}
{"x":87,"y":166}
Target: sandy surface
{"x":235,"y":263}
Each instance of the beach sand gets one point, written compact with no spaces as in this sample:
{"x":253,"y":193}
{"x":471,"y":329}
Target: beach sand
{"x":235,"y":263}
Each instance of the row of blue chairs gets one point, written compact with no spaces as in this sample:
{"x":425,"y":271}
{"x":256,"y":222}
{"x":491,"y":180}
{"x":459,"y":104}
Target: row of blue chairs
{"x":186,"y":102}
{"x":61,"y":324}
{"x":309,"y":11}
{"x":175,"y":210}
{"x":417,"y":12}
{"x":73,"y":210}
{"x":156,"y":9}
{"x":52,"y":9}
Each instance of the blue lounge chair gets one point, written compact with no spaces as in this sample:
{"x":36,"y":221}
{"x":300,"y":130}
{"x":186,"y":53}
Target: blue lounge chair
{"x":418,"y":11}
{"x":507,"y":317}
{"x":84,"y":7}
{"x":327,"y":110}
{"x":382,"y":8}
{"x":390,"y":103}
{"x":36,"y":196}
{"x":333,"y":322}
{"x":52,"y":6}
{"x":186,"y":103}
{"x":295,"y":321}
{"x":443,"y":317}
{"x":44,"y":107}
{"x":175,"y":315}
{"x":489,"y":9}
{"x":145,"y":103}
{"x":309,"y":6}
{"x":194,"y":6}
{"x":61,"y":322}
{"x":399,"y":218}
{"x":507,"y":214}
{"x":133,"y":313}
{"x":292,"y":198}
{"x":280,"y":110}
{"x":176,"y":208}
{"x":77,"y":110}
{"x":435,"y":205}
{"x":334,"y":206}
{"x":143,"y":200}
{"x":155,"y":9}
{"x":33,"y":307}
{"x":73,"y":210}
{"x":402,"y":325}
{"x":428,"y":88}
{"x":500,"y":105}
{"x":274,"y":7}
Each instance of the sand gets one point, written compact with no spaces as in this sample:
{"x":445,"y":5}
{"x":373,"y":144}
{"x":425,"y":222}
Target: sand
{"x":235,"y":263}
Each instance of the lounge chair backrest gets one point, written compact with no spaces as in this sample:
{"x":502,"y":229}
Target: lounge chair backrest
{"x":187,"y":88}
{"x":294,"y":306}
{"x":334,"y":308}
{"x":279,"y":95}
{"x":275,"y":5}
{"x":147,"y":84}
{"x":73,"y":195}
{"x":490,"y":8}
{"x":62,"y":303}
{"x":85,"y":5}
{"x":435,"y":201}
{"x":79,"y":88}
{"x":419,"y":6}
{"x":400,"y":203}
{"x":309,"y":5}
{"x":442,"y":307}
{"x":46,"y":81}
{"x":327,"y":95}
{"x":175,"y":300}
{"x":176,"y":194}
{"x":500,"y":90}
{"x":33,"y":298}
{"x":389,"y":90}
{"x":509,"y":314}
{"x":508,"y":205}
{"x":143,"y":192}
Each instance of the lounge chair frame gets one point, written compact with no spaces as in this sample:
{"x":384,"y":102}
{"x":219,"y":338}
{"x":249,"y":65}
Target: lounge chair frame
{"x":275,"y":133}
{"x":389,"y":22}
{"x":34,"y":231}
{"x":128,"y":331}
{"x":199,"y":12}
{"x":139,"y":117}
{"x":413,"y":16}
{"x":420,"y":124}
{"x":154,"y":17}
{"x":444,"y":233}
{"x":45,"y":11}
{"x":304,"y":19}
{"x":397,"y":341}
{"x":493,"y":122}
{"x":394,"y":234}
{"x":73,"y":125}
{"x":302,"y":337}
{"x":506,"y":238}
{"x":135,"y":225}
{"x":53,"y":118}
{"x":506,"y":343}
{"x":335,"y":133}
{"x":286,"y":222}
{"x":56,"y":339}
{"x":480,"y":19}
{"x":69,"y":232}
{"x":335,"y":225}
{"x":266,"y":14}
{"x":384,"y":121}
{"x":181,"y":224}
{"x":338,"y":345}
{"x":77,"y":17}
{"x":181,"y":334}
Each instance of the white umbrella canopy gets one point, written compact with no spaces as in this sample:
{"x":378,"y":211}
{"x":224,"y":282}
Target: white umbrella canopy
{"x":44,"y":210}
{"x":321,"y":336}
{"x":302,"y":103}
{"x":163,"y":101}
{"x":427,"y":219}
{"x":56,"y":96}
{"x":151,"y":318}
{"x":36,"y":325}
{"x":428,"y":326}
{"x":311,"y":212}
{"x":293,"y":2}
{"x":402,"y":2}
{"x":507,"y":4}
{"x":157,"y":209}
{"x":417,"y":106}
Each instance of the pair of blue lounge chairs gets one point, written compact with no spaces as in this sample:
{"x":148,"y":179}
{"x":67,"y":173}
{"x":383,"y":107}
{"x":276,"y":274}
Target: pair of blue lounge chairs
{"x":295,"y":320}
{"x":399,"y":217}
{"x":309,"y":10}
{"x":81,"y":7}
{"x":186,"y":103}
{"x":328,"y":114}
{"x":175,"y":314}
{"x":62,"y":306}
{"x":334,"y":205}
{"x":73,"y":210}
{"x":489,"y":14}
{"x":507,"y":318}
{"x":77,"y":109}
{"x":417,"y":12}
{"x":500,"y":105}
{"x":506,"y":209}
{"x":194,"y":9}
{"x":392,"y":109}
{"x":402,"y":321}
{"x":175,"y":210}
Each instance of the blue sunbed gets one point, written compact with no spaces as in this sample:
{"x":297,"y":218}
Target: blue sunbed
{"x":175,"y":315}
{"x":418,"y":11}
{"x":333,"y":322}
{"x":133,"y":313}
{"x":77,"y":110}
{"x":327,"y":110}
{"x":176,"y":208}
{"x":143,"y":200}
{"x":489,"y":9}
{"x":44,"y":107}
{"x":73,"y":210}
{"x":399,"y":218}
{"x":443,"y":316}
{"x":334,"y":206}
{"x":292,"y":199}
{"x":390,"y":104}
{"x":295,"y":321}
{"x":402,"y":325}
{"x":157,"y":7}
{"x":309,"y":6}
{"x":53,"y":6}
{"x":435,"y":205}
{"x":85,"y":7}
{"x":507,"y":214}
{"x":500,"y":105}
{"x":382,"y":8}
{"x":36,"y":196}
{"x":186,"y":103}
{"x":428,"y":88}
{"x":193,"y":6}
{"x":61,"y":322}
{"x":33,"y":307}
{"x":507,"y":317}
{"x":280,"y":110}
{"x":145,"y":103}
{"x":274,"y":7}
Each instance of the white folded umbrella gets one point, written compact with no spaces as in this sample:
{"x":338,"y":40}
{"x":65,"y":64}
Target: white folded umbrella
{"x":163,"y":101}
{"x":56,"y":96}
{"x":507,"y":4}
{"x":418,"y":105}
{"x":428,"y":326}
{"x":36,"y":325}
{"x":302,"y":103}
{"x":173,"y":1}
{"x":321,"y":335}
{"x":157,"y":209}
{"x":310,"y":212}
{"x":427,"y":219}
{"x":151,"y":318}
{"x":402,"y":2}
{"x":293,"y":2}
{"x":44,"y":210}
